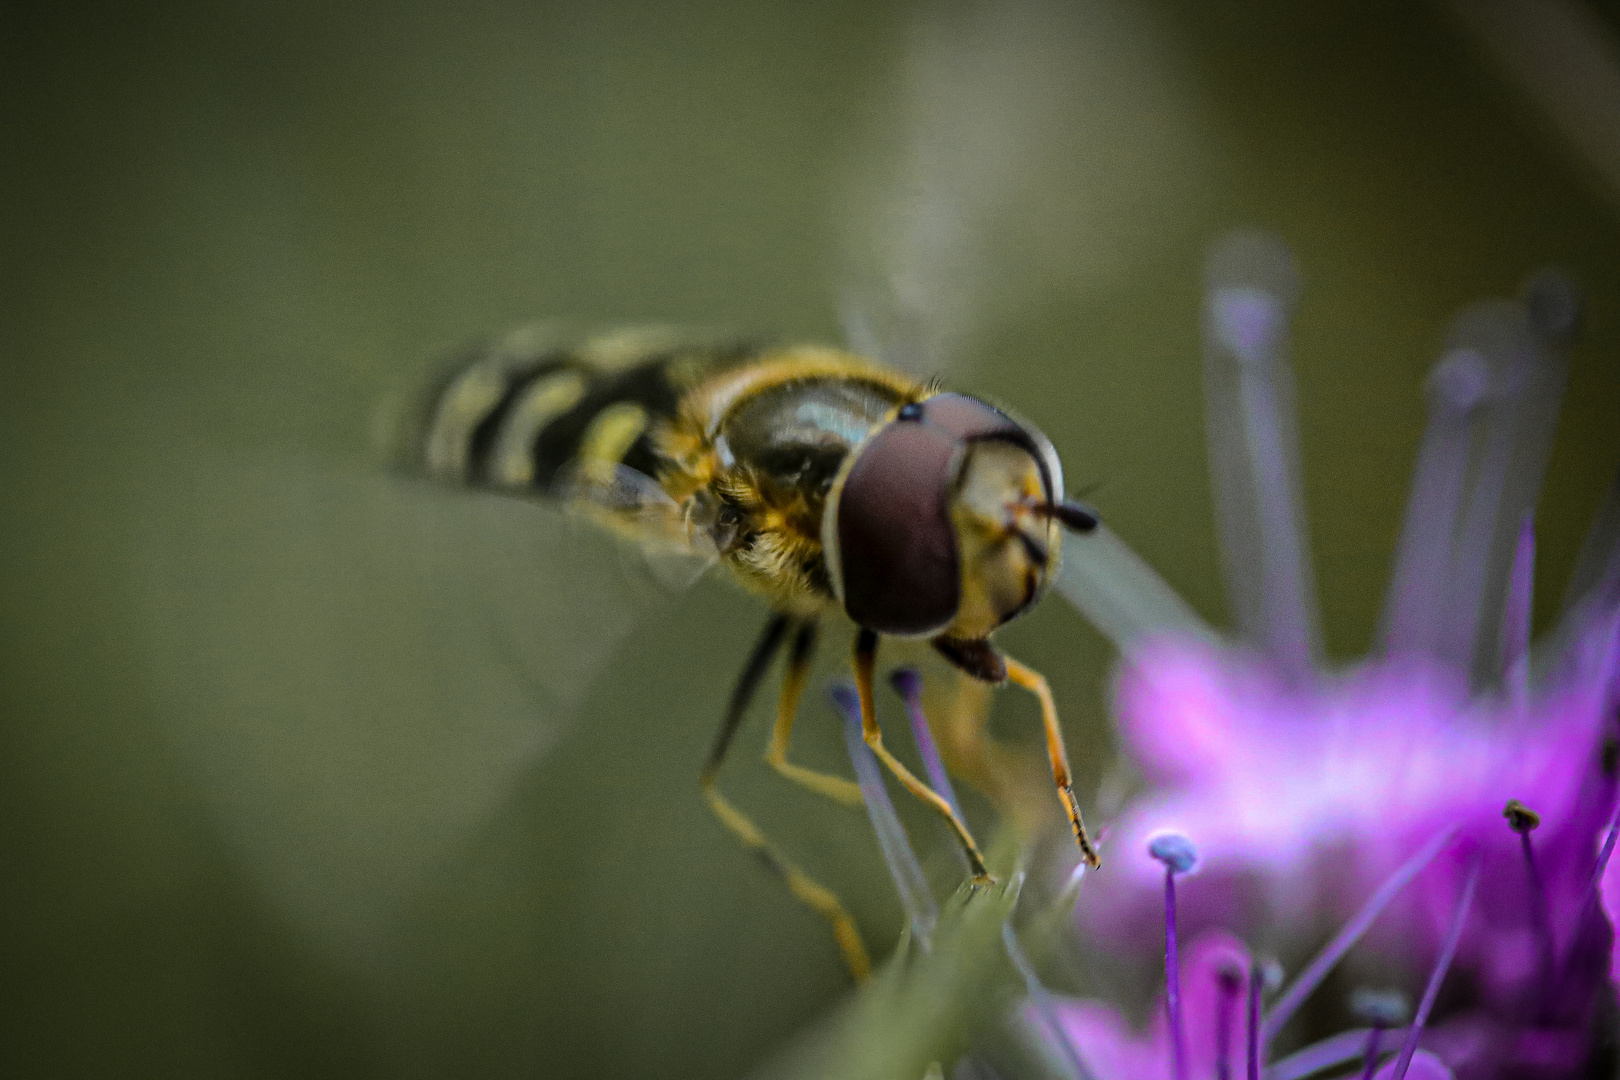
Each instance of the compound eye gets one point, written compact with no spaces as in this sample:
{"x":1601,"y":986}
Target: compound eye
{"x":896,"y":547}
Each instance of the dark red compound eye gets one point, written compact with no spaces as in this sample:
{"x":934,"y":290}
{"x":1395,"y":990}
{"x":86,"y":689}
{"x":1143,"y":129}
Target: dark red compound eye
{"x":897,"y":548}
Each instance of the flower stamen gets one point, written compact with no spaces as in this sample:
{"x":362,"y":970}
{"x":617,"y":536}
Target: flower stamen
{"x":1382,"y":1010}
{"x":907,"y":682}
{"x":1230,"y":981}
{"x":1524,"y":821}
{"x":1179,"y":856}
{"x":1318,"y":968}
{"x":909,"y":881}
{"x":1594,"y":892}
{"x":1254,"y":1048}
{"x":1447,"y":951}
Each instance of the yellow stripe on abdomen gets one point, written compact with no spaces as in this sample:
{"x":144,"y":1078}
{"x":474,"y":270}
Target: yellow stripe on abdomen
{"x":511,"y":459}
{"x":611,"y":434}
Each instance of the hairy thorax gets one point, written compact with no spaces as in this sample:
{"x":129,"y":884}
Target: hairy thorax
{"x":754,"y":452}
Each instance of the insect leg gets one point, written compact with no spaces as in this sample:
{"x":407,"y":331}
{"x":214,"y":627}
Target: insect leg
{"x":808,"y":891}
{"x":865,"y":661}
{"x":1035,"y":683}
{"x":834,"y":787}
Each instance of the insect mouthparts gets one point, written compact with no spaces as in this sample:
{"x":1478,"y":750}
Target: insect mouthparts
{"x":1074,"y":516}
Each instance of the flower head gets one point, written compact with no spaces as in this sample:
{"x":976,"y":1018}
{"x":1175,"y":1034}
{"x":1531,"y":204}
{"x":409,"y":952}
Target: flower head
{"x":1305,"y":786}
{"x":1436,"y":807}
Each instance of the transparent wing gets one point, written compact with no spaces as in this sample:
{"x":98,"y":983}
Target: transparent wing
{"x":557,"y":416}
{"x":357,"y":667}
{"x":1019,"y":160}
{"x":636,"y":507}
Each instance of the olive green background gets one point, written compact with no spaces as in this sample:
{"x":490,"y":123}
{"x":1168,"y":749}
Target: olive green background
{"x":308,"y":771}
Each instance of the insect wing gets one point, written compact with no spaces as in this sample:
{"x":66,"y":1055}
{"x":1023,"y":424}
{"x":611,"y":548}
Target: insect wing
{"x":356,"y":668}
{"x":1025,"y":147}
{"x":633,"y":505}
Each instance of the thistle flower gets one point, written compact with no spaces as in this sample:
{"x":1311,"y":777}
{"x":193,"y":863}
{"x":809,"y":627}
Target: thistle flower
{"x":1438,"y":805}
{"x":1196,"y":1030}
{"x":1306,"y":787}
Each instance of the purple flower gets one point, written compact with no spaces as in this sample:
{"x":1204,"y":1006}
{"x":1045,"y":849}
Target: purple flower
{"x":1214,"y":990}
{"x":1305,"y":787}
{"x":1210,"y":1022}
{"x":1215,"y":985}
{"x":1441,"y":801}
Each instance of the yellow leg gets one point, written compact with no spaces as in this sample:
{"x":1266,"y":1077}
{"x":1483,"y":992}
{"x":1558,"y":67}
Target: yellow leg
{"x":787,"y":708}
{"x":809,"y":892}
{"x":815,"y":896}
{"x":865,"y":660}
{"x":1035,"y":683}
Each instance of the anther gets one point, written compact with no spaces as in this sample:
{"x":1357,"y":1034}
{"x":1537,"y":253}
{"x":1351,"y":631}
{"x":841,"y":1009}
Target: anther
{"x":1379,"y":1008}
{"x":910,"y":411}
{"x":1179,"y":856}
{"x":1520,"y":818}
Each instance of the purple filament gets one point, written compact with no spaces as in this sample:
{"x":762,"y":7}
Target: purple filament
{"x":1516,"y":616}
{"x":1448,"y":950}
{"x":1318,"y":969}
{"x":1594,"y":888}
{"x":1539,"y":915}
{"x":1254,"y":1023}
{"x":1230,"y":983}
{"x":908,"y":684}
{"x":1333,"y":1050}
{"x":1456,"y":388}
{"x":1251,"y":287}
{"x":1042,"y":1000}
{"x":1374,"y":1037}
{"x":1172,"y":978}
{"x":898,"y":855}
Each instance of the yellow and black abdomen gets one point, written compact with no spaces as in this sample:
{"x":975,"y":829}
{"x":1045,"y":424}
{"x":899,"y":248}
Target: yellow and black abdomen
{"x":516,"y":414}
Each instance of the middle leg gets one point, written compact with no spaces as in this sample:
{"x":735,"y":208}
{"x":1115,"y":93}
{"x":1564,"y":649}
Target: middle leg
{"x":809,"y":892}
{"x":787,"y":708}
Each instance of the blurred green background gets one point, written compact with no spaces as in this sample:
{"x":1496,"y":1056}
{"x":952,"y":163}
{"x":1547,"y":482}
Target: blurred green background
{"x":310,"y":772}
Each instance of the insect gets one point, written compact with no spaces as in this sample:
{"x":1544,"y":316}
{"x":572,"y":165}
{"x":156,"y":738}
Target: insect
{"x":822,"y":481}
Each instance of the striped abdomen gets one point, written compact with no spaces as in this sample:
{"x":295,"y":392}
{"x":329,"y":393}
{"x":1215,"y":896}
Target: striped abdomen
{"x":514,"y":415}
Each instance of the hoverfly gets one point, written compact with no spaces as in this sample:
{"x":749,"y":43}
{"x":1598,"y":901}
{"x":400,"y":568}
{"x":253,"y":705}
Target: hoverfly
{"x":827,"y":482}
{"x":824,"y":482}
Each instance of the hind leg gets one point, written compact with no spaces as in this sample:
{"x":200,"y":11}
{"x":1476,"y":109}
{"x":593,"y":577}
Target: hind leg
{"x":809,"y":892}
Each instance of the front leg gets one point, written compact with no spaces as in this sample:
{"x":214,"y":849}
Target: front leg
{"x":983,"y":661}
{"x":1035,"y":683}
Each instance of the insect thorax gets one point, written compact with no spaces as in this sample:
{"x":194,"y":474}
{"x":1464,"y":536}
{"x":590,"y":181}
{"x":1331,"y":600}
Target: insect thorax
{"x":774,"y":436}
